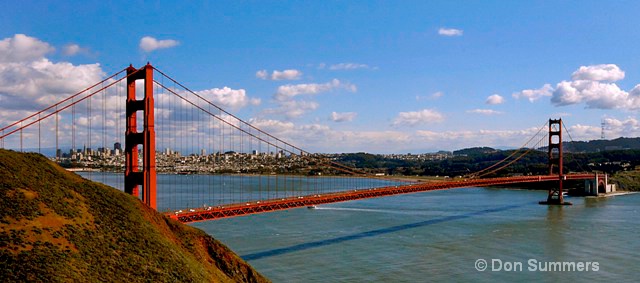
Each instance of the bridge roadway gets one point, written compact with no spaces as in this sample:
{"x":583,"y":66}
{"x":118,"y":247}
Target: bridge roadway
{"x":246,"y":208}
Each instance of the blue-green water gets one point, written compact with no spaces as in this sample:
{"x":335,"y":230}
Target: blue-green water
{"x":439,"y":236}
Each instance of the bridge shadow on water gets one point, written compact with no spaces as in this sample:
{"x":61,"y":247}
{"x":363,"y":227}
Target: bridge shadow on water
{"x":373,"y":233}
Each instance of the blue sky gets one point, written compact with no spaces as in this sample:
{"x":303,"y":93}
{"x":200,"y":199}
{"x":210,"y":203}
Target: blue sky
{"x":375,"y":76}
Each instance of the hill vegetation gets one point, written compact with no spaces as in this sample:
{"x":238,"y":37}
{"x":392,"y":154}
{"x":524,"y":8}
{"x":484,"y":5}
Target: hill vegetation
{"x":473,"y":160}
{"x":56,"y":226}
{"x":627,"y":180}
{"x":603,"y":145}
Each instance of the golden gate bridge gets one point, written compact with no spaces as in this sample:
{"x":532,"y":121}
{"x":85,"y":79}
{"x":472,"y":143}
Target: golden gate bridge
{"x":150,"y":113}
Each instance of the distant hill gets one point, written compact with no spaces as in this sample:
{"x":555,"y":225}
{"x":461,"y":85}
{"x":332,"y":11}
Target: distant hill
{"x":603,"y":145}
{"x":474,"y":151}
{"x":56,"y":226}
{"x":569,"y":146}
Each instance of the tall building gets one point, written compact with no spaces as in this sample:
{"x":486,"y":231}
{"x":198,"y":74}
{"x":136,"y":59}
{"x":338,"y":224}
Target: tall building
{"x":117,"y":146}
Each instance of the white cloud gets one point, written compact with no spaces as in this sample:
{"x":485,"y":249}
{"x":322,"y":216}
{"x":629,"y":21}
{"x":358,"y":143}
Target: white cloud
{"x":602,"y":72}
{"x":28,"y":80}
{"x":73,"y":49}
{"x":286,"y":92}
{"x":595,"y":94}
{"x":292,"y":108}
{"x":149,"y":43}
{"x":276,"y":75}
{"x":286,"y":75}
{"x":534,"y":94}
{"x":21,"y":48}
{"x":343,"y":117}
{"x":425,"y":116}
{"x":484,"y":111}
{"x":450,"y":32}
{"x":348,"y":66}
{"x":495,"y":99}
{"x":273,"y":127}
{"x":262,"y":74}
{"x":227,"y":97}
{"x":629,"y":127}
{"x":593,"y":85}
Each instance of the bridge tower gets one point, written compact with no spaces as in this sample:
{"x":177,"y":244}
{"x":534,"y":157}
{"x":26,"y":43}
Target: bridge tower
{"x":147,"y":138}
{"x":555,"y":161}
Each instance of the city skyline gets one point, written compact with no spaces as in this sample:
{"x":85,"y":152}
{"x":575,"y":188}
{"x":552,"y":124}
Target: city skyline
{"x":380,"y":77}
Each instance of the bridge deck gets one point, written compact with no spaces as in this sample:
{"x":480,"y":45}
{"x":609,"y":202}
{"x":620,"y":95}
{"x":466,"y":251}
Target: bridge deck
{"x":239,"y":209}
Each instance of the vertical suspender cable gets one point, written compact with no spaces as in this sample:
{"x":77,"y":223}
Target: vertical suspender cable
{"x":39,"y":136}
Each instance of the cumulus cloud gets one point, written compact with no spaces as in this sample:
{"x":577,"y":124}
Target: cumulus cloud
{"x":534,"y":94}
{"x":227,"y":97}
{"x":425,"y":116}
{"x":290,"y":74}
{"x":592,"y":85}
{"x":348,"y":66}
{"x":602,"y":72}
{"x":593,"y":93}
{"x":484,"y":111}
{"x":286,"y":92}
{"x":28,"y":80}
{"x":23,"y":48}
{"x":495,"y":99}
{"x":450,"y":32}
{"x":149,"y":43}
{"x":343,"y":117}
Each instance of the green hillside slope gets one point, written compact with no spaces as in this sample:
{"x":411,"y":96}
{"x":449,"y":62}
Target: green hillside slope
{"x":57,"y":226}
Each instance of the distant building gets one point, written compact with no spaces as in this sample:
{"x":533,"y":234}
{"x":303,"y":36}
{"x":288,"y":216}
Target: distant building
{"x":117,"y":146}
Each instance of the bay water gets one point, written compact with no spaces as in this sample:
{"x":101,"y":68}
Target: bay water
{"x":467,"y":234}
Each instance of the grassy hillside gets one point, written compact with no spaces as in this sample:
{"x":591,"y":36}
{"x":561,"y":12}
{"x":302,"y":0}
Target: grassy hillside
{"x":56,"y":226}
{"x":627,"y":180}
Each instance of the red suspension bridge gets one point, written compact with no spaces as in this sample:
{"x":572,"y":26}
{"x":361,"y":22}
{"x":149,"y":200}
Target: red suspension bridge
{"x":188,"y":157}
